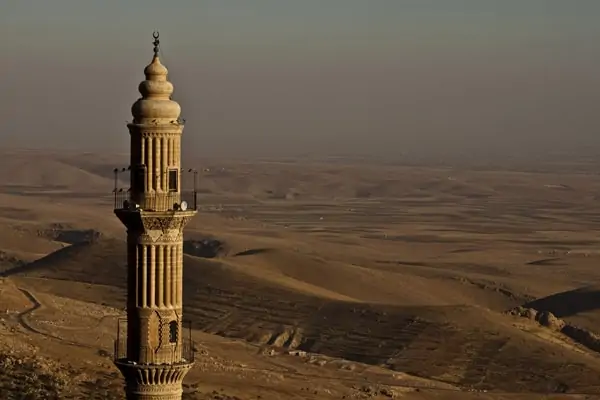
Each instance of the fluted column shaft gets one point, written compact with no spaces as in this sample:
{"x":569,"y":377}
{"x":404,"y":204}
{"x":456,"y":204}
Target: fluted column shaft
{"x":158,"y":273}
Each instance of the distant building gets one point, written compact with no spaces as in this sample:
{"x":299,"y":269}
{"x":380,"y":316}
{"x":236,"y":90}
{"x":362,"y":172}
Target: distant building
{"x":154,"y":352}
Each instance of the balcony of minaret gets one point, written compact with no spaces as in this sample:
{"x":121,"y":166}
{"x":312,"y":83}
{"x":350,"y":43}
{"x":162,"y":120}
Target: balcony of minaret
{"x":165,"y":193}
{"x":179,"y":347}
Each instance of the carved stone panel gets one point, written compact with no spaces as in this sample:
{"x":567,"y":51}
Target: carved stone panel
{"x":165,"y":223}
{"x":156,"y":237}
{"x":153,"y":331}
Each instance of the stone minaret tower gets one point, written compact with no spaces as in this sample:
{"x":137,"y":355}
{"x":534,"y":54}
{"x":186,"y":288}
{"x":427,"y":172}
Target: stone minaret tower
{"x":154,"y":354}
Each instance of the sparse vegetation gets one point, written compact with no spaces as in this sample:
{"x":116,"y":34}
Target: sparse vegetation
{"x":29,"y":379}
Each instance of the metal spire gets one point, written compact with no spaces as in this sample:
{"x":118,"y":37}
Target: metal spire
{"x":156,"y":42}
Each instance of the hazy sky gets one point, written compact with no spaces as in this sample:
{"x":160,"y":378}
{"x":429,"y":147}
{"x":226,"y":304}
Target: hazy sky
{"x":293,"y":76}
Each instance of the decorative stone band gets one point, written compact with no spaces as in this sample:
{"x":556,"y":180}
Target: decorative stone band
{"x":170,"y":128}
{"x":153,"y":382}
{"x":154,"y":133}
{"x":174,"y":221}
{"x":160,"y":237}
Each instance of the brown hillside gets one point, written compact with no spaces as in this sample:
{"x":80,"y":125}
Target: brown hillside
{"x":382,"y":273}
{"x":455,"y":344}
{"x":24,"y":172}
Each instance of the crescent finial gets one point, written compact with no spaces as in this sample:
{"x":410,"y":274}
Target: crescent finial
{"x":156,"y":42}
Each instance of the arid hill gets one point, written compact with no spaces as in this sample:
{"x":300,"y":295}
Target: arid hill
{"x":330,"y":279}
{"x":284,"y":311}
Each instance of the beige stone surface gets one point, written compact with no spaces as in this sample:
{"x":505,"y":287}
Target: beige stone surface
{"x":155,"y":355}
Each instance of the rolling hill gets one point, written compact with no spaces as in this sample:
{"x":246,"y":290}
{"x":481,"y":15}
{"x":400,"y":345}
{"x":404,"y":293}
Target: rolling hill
{"x":333,"y":272}
{"x":271,"y":298}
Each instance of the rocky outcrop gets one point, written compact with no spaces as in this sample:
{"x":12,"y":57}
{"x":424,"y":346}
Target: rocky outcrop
{"x":582,"y":336}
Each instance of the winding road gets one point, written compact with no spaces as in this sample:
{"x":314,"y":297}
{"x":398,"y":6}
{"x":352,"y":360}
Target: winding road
{"x":23,"y":319}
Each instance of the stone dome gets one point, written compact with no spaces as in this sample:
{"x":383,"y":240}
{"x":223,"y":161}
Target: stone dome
{"x":155,"y":68}
{"x":156,"y":92}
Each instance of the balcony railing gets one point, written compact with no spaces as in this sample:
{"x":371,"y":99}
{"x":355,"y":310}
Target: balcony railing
{"x":180,"y":352}
{"x":169,"y":201}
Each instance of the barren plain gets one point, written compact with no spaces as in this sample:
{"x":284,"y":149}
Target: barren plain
{"x":320,"y":279}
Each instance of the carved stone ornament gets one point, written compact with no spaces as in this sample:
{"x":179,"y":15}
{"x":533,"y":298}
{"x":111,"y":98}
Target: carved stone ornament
{"x":156,"y":237}
{"x":165,"y":223}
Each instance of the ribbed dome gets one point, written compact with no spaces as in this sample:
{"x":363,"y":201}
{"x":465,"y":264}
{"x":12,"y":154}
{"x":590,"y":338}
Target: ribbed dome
{"x":156,"y":91}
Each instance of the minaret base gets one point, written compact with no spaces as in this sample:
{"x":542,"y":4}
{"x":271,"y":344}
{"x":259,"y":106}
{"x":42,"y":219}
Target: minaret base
{"x":153,"y":382}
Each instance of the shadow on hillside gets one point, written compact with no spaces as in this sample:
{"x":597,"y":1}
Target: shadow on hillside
{"x":65,"y":233}
{"x":96,"y":261}
{"x":554,"y":261}
{"x":253,"y":252}
{"x":205,"y":248}
{"x":566,"y":304}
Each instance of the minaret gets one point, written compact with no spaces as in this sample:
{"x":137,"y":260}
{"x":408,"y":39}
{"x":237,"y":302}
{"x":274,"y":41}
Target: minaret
{"x":155,"y":354}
